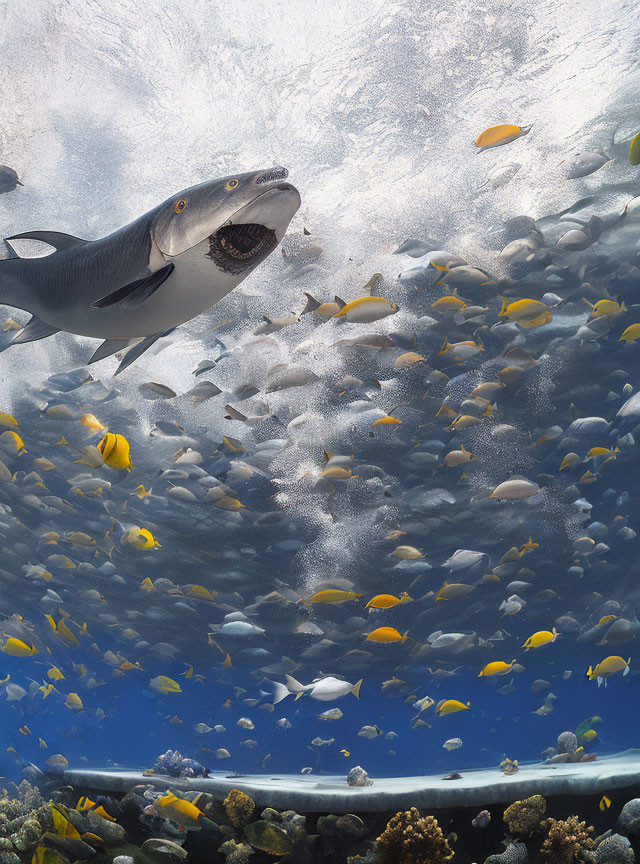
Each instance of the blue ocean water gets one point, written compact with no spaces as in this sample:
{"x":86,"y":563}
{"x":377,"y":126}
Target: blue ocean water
{"x":375,"y":117}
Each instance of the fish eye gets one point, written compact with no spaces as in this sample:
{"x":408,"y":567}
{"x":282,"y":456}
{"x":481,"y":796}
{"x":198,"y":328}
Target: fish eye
{"x":231,"y":184}
{"x":180,"y":206}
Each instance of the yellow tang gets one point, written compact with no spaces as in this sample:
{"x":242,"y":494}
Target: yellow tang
{"x":61,"y":823}
{"x":498,"y":667}
{"x":634,"y":150}
{"x":451,"y":706}
{"x":228,"y":503}
{"x":605,"y":803}
{"x":386,"y":634}
{"x":54,"y":674}
{"x":589,"y":735}
{"x":18,"y":648}
{"x":541,"y":637}
{"x":504,"y":133}
{"x":200,"y":592}
{"x":85,"y":803}
{"x":629,"y":335}
{"x":345,"y":753}
{"x":115,"y":451}
{"x":178,"y":810}
{"x":387,"y":601}
{"x":333,"y":595}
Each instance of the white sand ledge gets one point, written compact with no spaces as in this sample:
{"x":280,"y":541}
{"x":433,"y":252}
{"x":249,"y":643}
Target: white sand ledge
{"x":327,"y":793}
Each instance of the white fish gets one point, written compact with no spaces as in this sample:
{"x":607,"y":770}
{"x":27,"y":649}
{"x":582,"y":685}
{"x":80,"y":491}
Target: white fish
{"x":588,"y":425}
{"x":240,"y":628}
{"x":452,"y":744}
{"x":516,"y":489}
{"x":370,"y":732}
{"x":325,"y":689}
{"x":463,"y":558}
{"x":331,"y":714}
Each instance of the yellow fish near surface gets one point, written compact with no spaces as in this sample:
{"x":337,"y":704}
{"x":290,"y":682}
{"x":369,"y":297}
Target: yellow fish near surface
{"x":629,"y":335}
{"x":497,"y":667}
{"x":178,"y":810}
{"x":17,"y":648}
{"x":526,"y":312}
{"x":385,"y":634}
{"x":163,"y":684}
{"x":333,"y":595}
{"x":503,"y":133}
{"x":609,"y":666}
{"x":542,"y":637}
{"x":451,"y":706}
{"x":387,"y":601}
{"x":115,"y":451}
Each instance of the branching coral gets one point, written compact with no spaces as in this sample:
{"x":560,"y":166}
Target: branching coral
{"x":566,"y":839}
{"x":524,"y":817}
{"x":410,"y":838}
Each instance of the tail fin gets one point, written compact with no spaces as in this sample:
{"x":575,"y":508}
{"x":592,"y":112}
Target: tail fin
{"x":341,"y":303}
{"x":445,"y":347}
{"x":280,"y":692}
{"x":504,"y":307}
{"x":293,"y":686}
{"x":312,"y":304}
{"x":356,"y":688}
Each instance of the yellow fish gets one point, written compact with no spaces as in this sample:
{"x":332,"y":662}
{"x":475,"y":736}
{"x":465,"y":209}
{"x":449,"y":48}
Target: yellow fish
{"x":7,"y":421}
{"x":453,"y":590}
{"x":14,"y":440}
{"x":365,"y":310}
{"x":589,"y":735}
{"x":17,"y":648}
{"x":180,"y":811}
{"x":503,"y":133}
{"x":85,"y":803}
{"x":629,"y":335}
{"x":385,"y":634}
{"x":163,"y":684}
{"x":525,"y":312}
{"x":92,"y":423}
{"x":605,"y":803}
{"x":387,"y":601}
{"x":607,"y":307}
{"x":606,"y":619}
{"x":451,"y":706}
{"x":74,"y":702}
{"x":608,"y":666}
{"x":345,"y":753}
{"x":387,"y":421}
{"x":497,"y":667}
{"x":333,"y":595}
{"x":115,"y":451}
{"x":407,"y":553}
{"x":139,"y":538}
{"x":542,"y":637}
{"x":200,"y":592}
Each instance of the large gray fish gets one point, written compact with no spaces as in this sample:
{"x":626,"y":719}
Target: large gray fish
{"x":168,"y":266}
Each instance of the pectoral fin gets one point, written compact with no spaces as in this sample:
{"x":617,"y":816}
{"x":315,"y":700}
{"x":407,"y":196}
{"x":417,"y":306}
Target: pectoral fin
{"x":109,"y":347}
{"x":138,"y":349}
{"x":32,"y":331}
{"x":132,"y":295}
{"x":57,"y":239}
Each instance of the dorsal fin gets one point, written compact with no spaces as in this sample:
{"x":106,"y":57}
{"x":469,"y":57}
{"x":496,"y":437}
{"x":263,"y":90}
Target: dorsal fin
{"x":341,"y":303}
{"x":57,"y":239}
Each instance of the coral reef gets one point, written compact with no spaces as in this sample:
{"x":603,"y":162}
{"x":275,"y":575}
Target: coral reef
{"x":629,"y":818}
{"x":566,"y":839}
{"x":238,"y":807}
{"x":175,"y":764}
{"x":524,"y":817}
{"x":515,"y":853}
{"x":236,"y":853}
{"x":358,"y":777}
{"x":508,"y":766}
{"x":410,"y":838}
{"x":614,"y":850}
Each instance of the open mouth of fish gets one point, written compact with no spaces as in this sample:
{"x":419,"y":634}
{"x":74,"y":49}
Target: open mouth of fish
{"x":234,"y":248}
